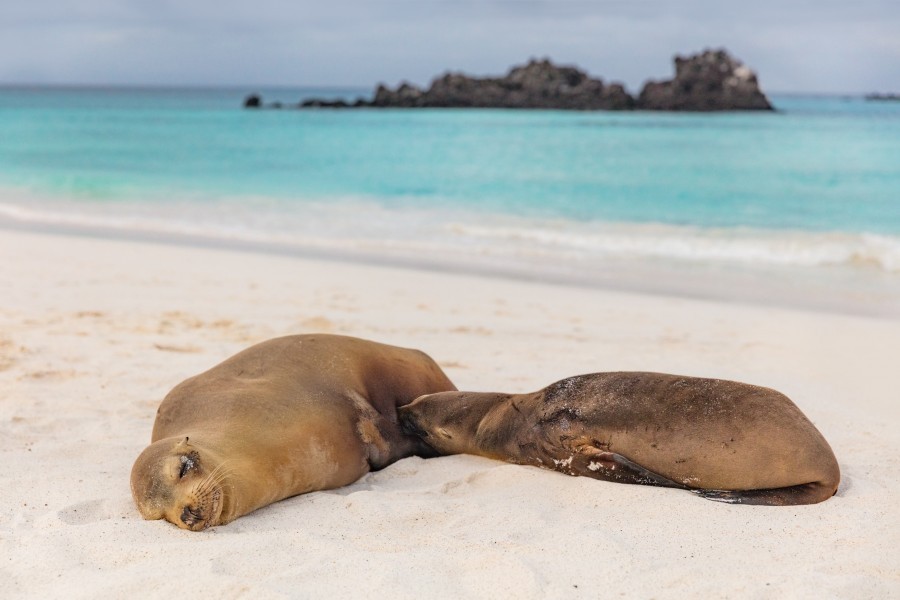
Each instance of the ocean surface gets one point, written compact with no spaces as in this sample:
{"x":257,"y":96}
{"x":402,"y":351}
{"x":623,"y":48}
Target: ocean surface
{"x":811,"y":191}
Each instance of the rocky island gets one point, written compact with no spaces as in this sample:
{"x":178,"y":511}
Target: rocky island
{"x":709,"y":81}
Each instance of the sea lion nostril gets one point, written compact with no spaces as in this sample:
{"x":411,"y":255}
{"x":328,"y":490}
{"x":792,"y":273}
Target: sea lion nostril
{"x":189,"y":517}
{"x":410,"y":427}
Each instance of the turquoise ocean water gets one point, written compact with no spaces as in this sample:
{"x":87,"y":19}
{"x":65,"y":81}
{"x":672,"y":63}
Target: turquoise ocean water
{"x":815,"y":186}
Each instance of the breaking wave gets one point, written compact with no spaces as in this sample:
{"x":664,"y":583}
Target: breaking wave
{"x":367,"y":226}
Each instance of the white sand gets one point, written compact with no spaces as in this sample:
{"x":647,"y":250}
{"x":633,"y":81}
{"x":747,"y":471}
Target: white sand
{"x":93,"y":333}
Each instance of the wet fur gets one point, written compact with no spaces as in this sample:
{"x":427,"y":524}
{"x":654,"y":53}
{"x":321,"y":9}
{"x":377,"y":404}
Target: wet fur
{"x":726,"y":441}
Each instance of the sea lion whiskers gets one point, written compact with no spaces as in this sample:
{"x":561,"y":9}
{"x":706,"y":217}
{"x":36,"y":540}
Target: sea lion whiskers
{"x":207,"y":497}
{"x":215,"y":477}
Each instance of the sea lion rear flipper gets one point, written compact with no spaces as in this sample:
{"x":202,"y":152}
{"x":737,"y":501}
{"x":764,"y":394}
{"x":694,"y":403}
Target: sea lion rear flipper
{"x":609,"y":466}
{"x":807,"y":493}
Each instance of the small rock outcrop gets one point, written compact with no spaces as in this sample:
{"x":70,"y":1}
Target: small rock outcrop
{"x":318,"y":103}
{"x":538,"y":84}
{"x":876,"y":97}
{"x":709,"y":81}
{"x":252,"y":101}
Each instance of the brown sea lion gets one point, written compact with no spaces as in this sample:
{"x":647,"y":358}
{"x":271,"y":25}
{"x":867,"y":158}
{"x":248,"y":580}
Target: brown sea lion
{"x":723,"y":440}
{"x":288,"y":416}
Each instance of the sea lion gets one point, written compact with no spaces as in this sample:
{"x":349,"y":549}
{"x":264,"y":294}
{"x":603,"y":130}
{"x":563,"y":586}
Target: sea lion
{"x":285,"y":417}
{"x":723,"y":440}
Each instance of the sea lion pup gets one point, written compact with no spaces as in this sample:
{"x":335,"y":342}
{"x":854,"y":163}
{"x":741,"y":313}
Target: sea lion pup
{"x":288,"y":416}
{"x":723,"y":440}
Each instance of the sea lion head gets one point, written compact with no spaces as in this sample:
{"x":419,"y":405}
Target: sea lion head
{"x":180,"y":481}
{"x":449,"y":422}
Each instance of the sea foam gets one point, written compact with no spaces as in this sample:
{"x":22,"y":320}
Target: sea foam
{"x":367,"y":226}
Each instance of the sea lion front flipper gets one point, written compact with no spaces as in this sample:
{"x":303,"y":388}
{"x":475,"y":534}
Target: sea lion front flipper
{"x":807,"y":493}
{"x":590,"y":461}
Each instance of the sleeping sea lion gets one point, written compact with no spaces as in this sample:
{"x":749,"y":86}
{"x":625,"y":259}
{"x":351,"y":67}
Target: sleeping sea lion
{"x":288,"y":416}
{"x":723,"y":440}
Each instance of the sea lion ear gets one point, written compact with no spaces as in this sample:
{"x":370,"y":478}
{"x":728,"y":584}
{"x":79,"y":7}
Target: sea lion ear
{"x":418,"y":399}
{"x":182,"y":444}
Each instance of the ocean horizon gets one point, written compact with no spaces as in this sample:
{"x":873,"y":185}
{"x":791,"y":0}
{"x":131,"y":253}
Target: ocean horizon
{"x":810,"y":193}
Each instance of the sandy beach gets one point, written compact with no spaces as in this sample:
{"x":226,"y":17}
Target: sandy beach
{"x":94,"y":332}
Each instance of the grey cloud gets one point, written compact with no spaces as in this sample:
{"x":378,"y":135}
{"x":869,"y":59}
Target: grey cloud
{"x":795,"y":45}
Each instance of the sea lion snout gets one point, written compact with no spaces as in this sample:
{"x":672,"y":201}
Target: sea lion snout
{"x":408,"y":423}
{"x":190,"y":516}
{"x":442,"y":420}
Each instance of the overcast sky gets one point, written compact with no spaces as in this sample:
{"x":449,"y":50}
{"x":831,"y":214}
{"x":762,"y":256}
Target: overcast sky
{"x":794,"y":45}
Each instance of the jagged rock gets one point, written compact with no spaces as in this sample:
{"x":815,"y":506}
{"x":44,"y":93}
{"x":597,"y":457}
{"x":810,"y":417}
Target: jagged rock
{"x":405,"y":96}
{"x":252,"y":101}
{"x":539,"y":84}
{"x":708,"y":81}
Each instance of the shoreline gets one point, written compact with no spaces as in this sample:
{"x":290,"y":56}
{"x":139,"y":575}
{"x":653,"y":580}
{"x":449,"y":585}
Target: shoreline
{"x":829,"y":289}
